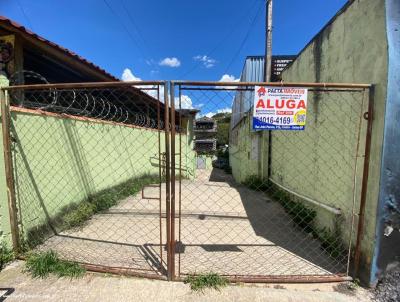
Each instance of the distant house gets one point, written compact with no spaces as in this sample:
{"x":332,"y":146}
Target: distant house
{"x":205,"y":130}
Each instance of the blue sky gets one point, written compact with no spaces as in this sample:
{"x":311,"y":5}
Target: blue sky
{"x":176,"y":39}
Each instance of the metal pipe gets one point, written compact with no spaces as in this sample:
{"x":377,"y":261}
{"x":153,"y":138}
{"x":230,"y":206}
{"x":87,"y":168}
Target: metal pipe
{"x":273,"y":84}
{"x":12,"y":209}
{"x":333,"y":210}
{"x":364,"y":186}
{"x":180,"y":180}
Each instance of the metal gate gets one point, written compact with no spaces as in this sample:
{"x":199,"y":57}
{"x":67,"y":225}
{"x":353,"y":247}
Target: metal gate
{"x":105,"y":174}
{"x":87,"y":167}
{"x":285,"y":206}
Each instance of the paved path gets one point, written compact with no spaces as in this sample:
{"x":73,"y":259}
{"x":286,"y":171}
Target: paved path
{"x":224,"y":228}
{"x":98,"y":288}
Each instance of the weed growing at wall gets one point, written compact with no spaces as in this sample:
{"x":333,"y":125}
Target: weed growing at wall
{"x":6,"y":255}
{"x":41,"y":265}
{"x":77,"y":214}
{"x":302,"y":215}
{"x":208,"y":280}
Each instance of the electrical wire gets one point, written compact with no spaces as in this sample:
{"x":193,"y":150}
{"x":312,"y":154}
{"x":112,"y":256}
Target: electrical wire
{"x":222,"y":41}
{"x":244,"y":40}
{"x":132,"y":20}
{"x":124,"y":27}
{"x":25,"y":15}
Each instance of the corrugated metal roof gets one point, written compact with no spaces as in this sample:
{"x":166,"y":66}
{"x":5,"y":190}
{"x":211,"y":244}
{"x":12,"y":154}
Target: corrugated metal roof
{"x":253,"y":71}
{"x":24,"y":31}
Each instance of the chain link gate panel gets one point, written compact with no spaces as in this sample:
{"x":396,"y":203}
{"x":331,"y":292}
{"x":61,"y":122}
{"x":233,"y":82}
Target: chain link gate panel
{"x":269,"y":205}
{"x":95,"y":175}
{"x":90,"y":167}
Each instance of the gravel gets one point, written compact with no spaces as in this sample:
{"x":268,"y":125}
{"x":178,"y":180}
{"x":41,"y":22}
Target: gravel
{"x":388,"y":289}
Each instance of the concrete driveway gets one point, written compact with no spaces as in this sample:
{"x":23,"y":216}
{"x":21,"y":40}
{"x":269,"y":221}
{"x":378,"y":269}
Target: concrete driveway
{"x":223,"y":227}
{"x":17,"y":286}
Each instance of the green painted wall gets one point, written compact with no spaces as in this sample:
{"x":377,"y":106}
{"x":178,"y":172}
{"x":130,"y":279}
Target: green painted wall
{"x":244,"y":150}
{"x":61,"y":161}
{"x":320,"y":161}
{"x":352,"y":49}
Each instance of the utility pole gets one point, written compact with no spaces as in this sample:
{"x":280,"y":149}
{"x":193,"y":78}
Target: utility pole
{"x":268,"y":41}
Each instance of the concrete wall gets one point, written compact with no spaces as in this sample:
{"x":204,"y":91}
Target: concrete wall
{"x":322,"y":162}
{"x":353,"y":49}
{"x":244,"y":150}
{"x":59,"y":161}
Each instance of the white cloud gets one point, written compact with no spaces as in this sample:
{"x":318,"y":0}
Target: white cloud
{"x":206,"y":61}
{"x":127,"y":76}
{"x":170,"y":62}
{"x":211,"y":114}
{"x":186,"y":102}
{"x":228,"y":78}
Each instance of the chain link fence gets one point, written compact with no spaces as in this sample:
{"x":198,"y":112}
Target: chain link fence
{"x":89,"y":173}
{"x":271,"y":204}
{"x":112,"y":176}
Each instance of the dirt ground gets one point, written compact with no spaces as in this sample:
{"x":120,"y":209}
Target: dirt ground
{"x":223,"y":227}
{"x":18,"y":286}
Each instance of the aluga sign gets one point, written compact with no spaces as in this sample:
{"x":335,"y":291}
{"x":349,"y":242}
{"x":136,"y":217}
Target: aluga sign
{"x":279,"y":108}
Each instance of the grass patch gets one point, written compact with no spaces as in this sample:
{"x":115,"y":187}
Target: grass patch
{"x":208,"y":280}
{"x":6,"y":255}
{"x":41,"y":265}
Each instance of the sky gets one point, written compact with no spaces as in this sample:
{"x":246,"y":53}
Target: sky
{"x":164,"y":40}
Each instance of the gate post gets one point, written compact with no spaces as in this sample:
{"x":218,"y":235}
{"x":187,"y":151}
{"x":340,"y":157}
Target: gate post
{"x":172,"y":229}
{"x":12,"y":209}
{"x":167,"y":181}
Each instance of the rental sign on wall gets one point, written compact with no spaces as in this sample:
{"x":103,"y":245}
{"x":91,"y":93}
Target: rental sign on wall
{"x":279,"y":108}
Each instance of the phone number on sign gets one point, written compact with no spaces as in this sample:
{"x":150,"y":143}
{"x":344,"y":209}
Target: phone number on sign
{"x":280,"y":120}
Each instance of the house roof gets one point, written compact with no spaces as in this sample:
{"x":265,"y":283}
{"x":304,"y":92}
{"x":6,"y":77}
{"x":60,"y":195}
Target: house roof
{"x":27,"y":34}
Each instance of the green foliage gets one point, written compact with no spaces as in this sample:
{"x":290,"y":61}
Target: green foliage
{"x":223,"y":133}
{"x":256,"y":183}
{"x":208,"y":280}
{"x":223,"y":125}
{"x":228,"y":169}
{"x":330,"y":241}
{"x":223,"y":153}
{"x":41,"y":265}
{"x":302,"y":215}
{"x":105,"y":200}
{"x":6,"y":255}
{"x":77,"y":214}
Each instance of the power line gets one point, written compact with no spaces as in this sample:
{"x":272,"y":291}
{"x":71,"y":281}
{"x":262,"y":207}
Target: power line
{"x":244,"y":40}
{"x":132,"y":20}
{"x":25,"y":15}
{"x":124,"y":27}
{"x":233,"y":29}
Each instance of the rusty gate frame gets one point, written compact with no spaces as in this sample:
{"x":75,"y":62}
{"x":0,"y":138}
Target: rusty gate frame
{"x":207,"y":85}
{"x":169,"y":164}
